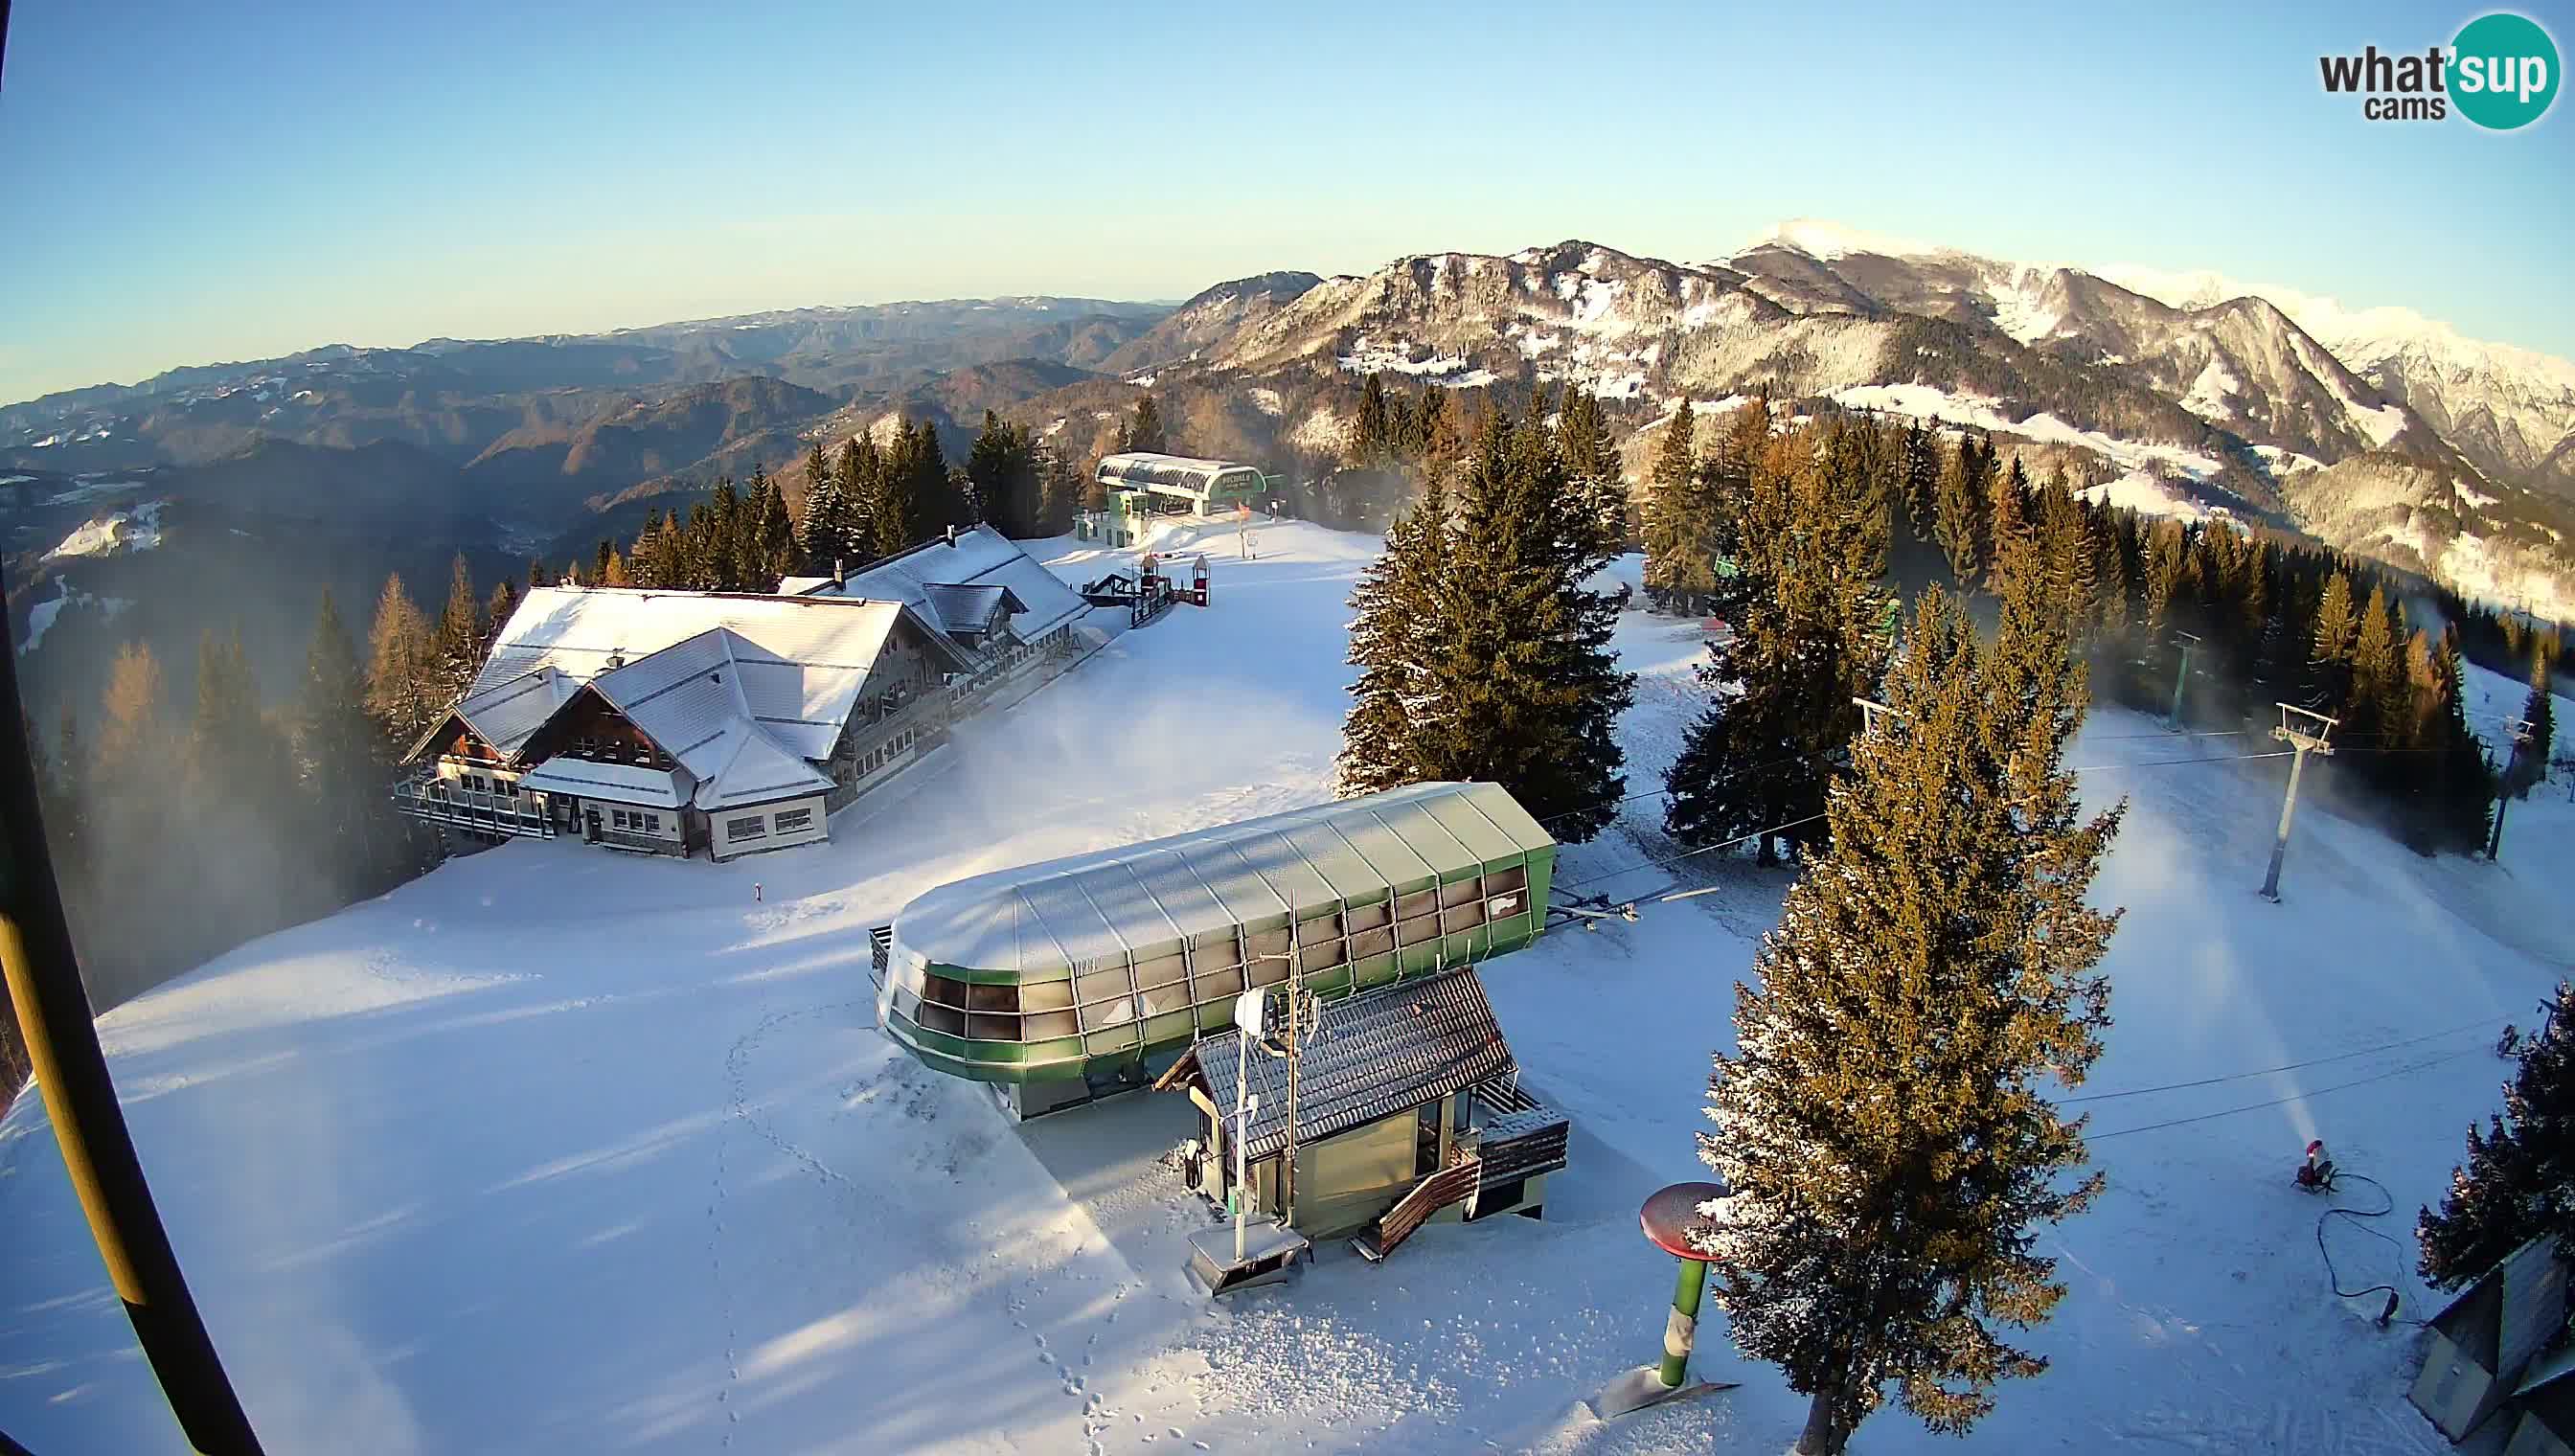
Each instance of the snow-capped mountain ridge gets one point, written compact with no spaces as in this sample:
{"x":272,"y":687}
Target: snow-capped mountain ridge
{"x":2200,"y":406}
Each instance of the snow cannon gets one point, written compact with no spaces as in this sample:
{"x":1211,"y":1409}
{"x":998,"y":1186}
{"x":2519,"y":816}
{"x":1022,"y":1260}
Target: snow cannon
{"x":2315,"y":1176}
{"x":1669,"y":1218}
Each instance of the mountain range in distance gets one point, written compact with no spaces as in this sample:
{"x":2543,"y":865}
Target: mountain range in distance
{"x":2377,"y":431}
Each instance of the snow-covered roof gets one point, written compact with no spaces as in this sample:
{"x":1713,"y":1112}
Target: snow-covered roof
{"x":969,"y":609}
{"x":506,"y":712}
{"x":621,"y":782}
{"x":1039,"y":919}
{"x":1171,"y":471}
{"x":803,"y":660}
{"x":1372,"y":1055}
{"x":981,"y":557}
{"x":740,"y":719}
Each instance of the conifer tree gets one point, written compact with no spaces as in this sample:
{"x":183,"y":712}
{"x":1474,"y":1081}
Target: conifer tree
{"x":1922,"y":461}
{"x":1397,"y":611}
{"x":599,"y":563}
{"x":456,"y":648}
{"x":1535,"y":686}
{"x":896,"y":507}
{"x":1679,"y":566}
{"x":2013,"y":544}
{"x":1958,"y":511}
{"x":2530,"y":757}
{"x":613,"y":570}
{"x":1372,"y":435}
{"x":2462,"y":774}
{"x":2329,"y":648}
{"x":399,"y":690}
{"x":1810,"y":633}
{"x":1145,"y":430}
{"x":2519,"y":1179}
{"x":2164,"y":577}
{"x":1519,"y":684}
{"x":504,"y":604}
{"x":2065,"y":543}
{"x":2371,"y":711}
{"x":1883,"y":1127}
{"x":537,"y":577}
{"x":774,"y":546}
{"x":358,"y":843}
{"x":1444,"y":439}
{"x":1590,"y":460}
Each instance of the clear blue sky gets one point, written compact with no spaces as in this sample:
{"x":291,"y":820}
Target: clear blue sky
{"x":194,"y":182}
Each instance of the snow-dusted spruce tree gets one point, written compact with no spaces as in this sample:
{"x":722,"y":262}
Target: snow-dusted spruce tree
{"x":1484,"y":653}
{"x":1809,"y":637}
{"x":2519,"y":1180}
{"x":1397,"y":614}
{"x":1883,"y":1126}
{"x":1591,"y":458}
{"x":1528,"y":686}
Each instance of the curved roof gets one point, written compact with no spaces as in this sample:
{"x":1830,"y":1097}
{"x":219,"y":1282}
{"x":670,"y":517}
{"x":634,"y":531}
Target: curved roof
{"x":1042,"y":920}
{"x":1144,"y":468}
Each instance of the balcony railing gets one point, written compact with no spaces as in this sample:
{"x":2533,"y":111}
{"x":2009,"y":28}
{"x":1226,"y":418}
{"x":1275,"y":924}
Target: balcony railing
{"x":487,"y":814}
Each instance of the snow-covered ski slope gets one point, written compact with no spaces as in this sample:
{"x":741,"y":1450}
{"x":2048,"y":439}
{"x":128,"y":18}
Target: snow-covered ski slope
{"x":557,"y":1151}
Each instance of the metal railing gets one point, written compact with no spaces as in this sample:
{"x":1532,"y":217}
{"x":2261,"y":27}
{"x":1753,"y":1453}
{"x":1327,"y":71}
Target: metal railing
{"x":490,"y":813}
{"x":630,"y":839}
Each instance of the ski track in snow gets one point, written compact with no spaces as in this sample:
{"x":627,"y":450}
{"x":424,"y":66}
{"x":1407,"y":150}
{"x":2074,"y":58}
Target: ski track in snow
{"x":556,"y":1150}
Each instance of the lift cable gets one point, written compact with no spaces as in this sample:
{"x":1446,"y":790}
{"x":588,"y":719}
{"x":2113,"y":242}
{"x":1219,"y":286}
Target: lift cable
{"x":2291,"y":1066}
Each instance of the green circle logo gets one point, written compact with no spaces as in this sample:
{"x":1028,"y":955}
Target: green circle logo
{"x":2504,"y":71}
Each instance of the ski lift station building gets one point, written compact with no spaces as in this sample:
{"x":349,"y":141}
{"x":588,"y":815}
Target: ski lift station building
{"x":1077,"y":978}
{"x":1142,"y":485}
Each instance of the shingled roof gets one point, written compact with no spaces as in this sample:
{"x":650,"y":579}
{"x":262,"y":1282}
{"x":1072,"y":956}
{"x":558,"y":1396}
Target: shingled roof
{"x":1372,"y":1055}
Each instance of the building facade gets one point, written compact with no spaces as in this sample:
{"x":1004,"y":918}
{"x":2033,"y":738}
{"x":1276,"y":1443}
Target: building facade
{"x":674,"y":722}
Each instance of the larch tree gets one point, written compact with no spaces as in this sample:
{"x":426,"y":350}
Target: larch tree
{"x":1883,"y":1126}
{"x":2518,"y":1182}
{"x":399,"y":692}
{"x":2330,"y":644}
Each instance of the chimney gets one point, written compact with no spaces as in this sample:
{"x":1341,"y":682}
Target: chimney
{"x":840,"y":572}
{"x":951,"y":537}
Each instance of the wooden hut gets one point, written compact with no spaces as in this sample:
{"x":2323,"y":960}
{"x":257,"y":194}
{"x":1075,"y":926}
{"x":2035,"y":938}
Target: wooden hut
{"x":1408,"y":1109}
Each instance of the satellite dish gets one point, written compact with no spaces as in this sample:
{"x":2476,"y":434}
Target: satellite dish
{"x":1249,"y":1009}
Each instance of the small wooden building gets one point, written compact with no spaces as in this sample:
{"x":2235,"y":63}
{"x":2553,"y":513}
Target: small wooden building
{"x":2482,"y":1342}
{"x":1408,"y":1110}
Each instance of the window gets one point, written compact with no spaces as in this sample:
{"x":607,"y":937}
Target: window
{"x":791,"y":821}
{"x":651,"y":823}
{"x":616,"y":819}
{"x":749,"y":826}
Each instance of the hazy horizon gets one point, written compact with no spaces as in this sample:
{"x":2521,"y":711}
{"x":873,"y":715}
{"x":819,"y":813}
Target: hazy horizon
{"x":303,"y":175}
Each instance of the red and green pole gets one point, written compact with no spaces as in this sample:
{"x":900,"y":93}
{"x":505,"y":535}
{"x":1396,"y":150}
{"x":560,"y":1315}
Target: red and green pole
{"x":1684,"y":1326}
